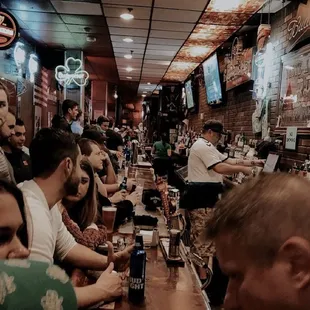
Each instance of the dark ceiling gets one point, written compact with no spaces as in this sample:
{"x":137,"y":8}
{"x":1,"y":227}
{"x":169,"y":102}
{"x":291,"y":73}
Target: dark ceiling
{"x":62,"y":25}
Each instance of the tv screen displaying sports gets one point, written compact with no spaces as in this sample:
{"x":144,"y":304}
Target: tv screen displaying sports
{"x":189,"y":94}
{"x":212,"y":80}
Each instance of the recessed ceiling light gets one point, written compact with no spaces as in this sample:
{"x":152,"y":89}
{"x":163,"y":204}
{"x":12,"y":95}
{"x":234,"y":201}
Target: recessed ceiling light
{"x":129,"y":77}
{"x":129,"y":69}
{"x":128,"y":40}
{"x":148,"y":83}
{"x":143,"y":96}
{"x":127,"y":16}
{"x":129,"y":56}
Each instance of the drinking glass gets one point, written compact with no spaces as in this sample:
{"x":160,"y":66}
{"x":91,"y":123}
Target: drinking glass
{"x":108,"y":218}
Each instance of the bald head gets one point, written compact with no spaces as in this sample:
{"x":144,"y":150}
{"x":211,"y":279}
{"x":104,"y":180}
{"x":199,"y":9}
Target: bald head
{"x":262,"y":214}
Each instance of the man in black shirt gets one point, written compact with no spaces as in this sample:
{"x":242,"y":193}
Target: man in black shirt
{"x":70,"y":110}
{"x":13,"y":149}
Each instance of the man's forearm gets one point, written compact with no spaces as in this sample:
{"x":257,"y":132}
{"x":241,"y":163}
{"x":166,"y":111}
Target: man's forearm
{"x":240,"y":162}
{"x":228,"y":169}
{"x":82,"y":257}
{"x":88,"y":296}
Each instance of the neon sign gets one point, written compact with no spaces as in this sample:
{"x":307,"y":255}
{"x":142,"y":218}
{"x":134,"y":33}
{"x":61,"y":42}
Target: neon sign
{"x":64,"y":74}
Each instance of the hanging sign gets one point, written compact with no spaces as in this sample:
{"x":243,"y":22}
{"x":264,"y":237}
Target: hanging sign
{"x":8,"y":29}
{"x":238,"y":65}
{"x":72,"y":73}
{"x":298,"y":28}
{"x":291,"y":138}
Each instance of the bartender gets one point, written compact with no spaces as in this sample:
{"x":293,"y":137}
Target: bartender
{"x":206,"y":167}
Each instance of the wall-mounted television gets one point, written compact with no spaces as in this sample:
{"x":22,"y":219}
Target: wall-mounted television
{"x":212,"y":80}
{"x":189,"y":95}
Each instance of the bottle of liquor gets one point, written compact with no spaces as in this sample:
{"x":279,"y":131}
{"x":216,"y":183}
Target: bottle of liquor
{"x":123,"y":185}
{"x":137,"y":272}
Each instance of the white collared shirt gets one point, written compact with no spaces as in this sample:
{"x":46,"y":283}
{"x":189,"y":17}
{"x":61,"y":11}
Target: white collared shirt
{"x":202,"y":158}
{"x":48,"y":236}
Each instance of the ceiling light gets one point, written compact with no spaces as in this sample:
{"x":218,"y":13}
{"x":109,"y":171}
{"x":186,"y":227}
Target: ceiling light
{"x":129,"y":69}
{"x":91,"y":39}
{"x":129,"y":77}
{"x":144,"y":92}
{"x":128,"y":40}
{"x":127,"y":16}
{"x":148,"y":83}
{"x":129,"y":56}
{"x":143,"y":96}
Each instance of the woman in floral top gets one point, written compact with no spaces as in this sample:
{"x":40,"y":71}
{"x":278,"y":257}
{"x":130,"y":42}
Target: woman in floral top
{"x":80,"y":212}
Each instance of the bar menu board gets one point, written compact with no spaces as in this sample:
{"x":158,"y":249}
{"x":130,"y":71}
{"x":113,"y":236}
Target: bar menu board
{"x":212,"y":80}
{"x":295,"y":88}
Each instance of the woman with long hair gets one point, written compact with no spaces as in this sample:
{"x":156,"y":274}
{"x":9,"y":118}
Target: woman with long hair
{"x":80,"y":212}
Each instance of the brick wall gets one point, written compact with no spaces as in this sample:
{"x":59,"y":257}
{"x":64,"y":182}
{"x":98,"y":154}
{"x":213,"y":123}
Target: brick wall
{"x":237,"y":114}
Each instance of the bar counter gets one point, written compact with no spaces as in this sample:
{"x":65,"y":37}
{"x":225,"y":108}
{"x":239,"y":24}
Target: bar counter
{"x":167,"y":288}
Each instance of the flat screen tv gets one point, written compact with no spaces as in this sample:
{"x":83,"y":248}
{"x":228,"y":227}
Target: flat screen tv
{"x":189,"y":95}
{"x":212,"y":80}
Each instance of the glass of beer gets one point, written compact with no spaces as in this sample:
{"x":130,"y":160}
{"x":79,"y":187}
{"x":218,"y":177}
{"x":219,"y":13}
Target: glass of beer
{"x":108,"y":218}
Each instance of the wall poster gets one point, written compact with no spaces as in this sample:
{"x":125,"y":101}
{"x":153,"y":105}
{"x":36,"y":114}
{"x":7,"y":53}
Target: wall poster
{"x":238,"y":65}
{"x":295,"y":88}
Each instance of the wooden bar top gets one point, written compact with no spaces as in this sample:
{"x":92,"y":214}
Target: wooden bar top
{"x":172,"y":288}
{"x":167,"y":288}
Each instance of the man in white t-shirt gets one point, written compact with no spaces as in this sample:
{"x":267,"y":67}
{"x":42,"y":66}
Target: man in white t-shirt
{"x":206,"y":167}
{"x":56,"y":170}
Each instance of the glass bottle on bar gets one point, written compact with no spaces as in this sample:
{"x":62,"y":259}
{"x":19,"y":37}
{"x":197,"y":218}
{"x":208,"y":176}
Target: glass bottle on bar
{"x":123,"y":185}
{"x":137,"y":272}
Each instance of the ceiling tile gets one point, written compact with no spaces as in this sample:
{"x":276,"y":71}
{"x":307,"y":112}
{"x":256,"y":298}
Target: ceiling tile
{"x":194,"y":53}
{"x":128,"y":46}
{"x":211,"y":33}
{"x":53,"y":34}
{"x":228,"y":19}
{"x":29,"y":5}
{"x":93,"y":29}
{"x":84,"y":20}
{"x":46,"y":26}
{"x":80,"y":8}
{"x":157,"y":62}
{"x":128,"y":31}
{"x":129,"y":2}
{"x":116,"y":11}
{"x":172,"y":48}
{"x":126,"y":62}
{"x":176,"y":15}
{"x":136,"y":23}
{"x":158,"y":57}
{"x":37,"y":17}
{"x":239,"y":6}
{"x":197,"y":5}
{"x":120,"y":55}
{"x":165,"y":41}
{"x":168,"y":34}
{"x":161,"y":53}
{"x":172,"y":26}
{"x":125,"y":51}
{"x":139,"y":40}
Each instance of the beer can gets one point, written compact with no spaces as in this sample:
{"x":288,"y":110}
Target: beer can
{"x":174,"y":243}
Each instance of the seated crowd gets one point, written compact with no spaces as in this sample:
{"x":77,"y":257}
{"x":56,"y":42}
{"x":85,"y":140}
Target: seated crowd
{"x":51,"y":197}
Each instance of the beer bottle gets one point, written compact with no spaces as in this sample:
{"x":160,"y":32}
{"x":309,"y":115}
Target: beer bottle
{"x":123,"y":185}
{"x":137,"y":272}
